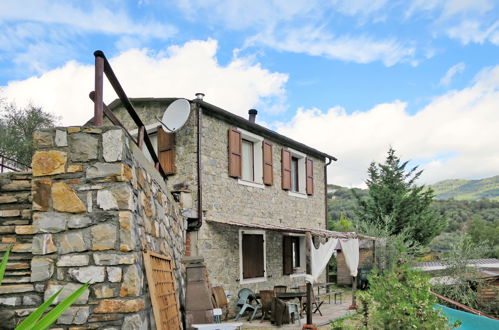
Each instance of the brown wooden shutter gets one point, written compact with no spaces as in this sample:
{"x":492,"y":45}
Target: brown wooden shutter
{"x":286,"y":169}
{"x":235,"y":150}
{"x":268,"y":173}
{"x":253,"y":259}
{"x":310,"y":176}
{"x":287,"y":255}
{"x":166,"y":151}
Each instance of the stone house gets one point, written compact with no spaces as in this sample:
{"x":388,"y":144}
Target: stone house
{"x":249,"y":193}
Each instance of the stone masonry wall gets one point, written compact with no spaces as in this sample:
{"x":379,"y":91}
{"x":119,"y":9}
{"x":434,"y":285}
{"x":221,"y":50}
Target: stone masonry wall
{"x":365,"y":262}
{"x":97,"y":205}
{"x":225,"y":199}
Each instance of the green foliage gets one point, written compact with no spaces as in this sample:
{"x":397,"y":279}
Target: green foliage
{"x":343,"y":225}
{"x":395,"y":202}
{"x":16,"y":130}
{"x":33,"y":321}
{"x":3,"y":265}
{"x":487,"y":188}
{"x":486,"y":234}
{"x":400,"y":299}
{"x":465,"y":279}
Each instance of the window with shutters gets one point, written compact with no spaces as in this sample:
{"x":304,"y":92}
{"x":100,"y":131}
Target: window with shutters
{"x":297,"y":173}
{"x":252,"y":258}
{"x":250,"y":158}
{"x":293,"y":254}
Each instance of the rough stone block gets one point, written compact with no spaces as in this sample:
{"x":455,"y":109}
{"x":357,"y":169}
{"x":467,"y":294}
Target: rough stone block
{"x":112,"y":145}
{"x":42,"y":139}
{"x":73,"y":260}
{"x":41,"y":194}
{"x":48,"y":162}
{"x":79,"y":221}
{"x":9,"y":213}
{"x":106,"y":200}
{"x":74,"y":315}
{"x":103,"y":237}
{"x":16,"y":288}
{"x":22,"y":247}
{"x":75,"y":168}
{"x":25,"y":230}
{"x":31,"y":299}
{"x":106,"y":172}
{"x":114,"y":274}
{"x":43,"y":244}
{"x":120,"y":306}
{"x":41,"y":269}
{"x":92,"y":274}
{"x":72,"y":242}
{"x":10,"y":301}
{"x":83,"y":147}
{"x":135,"y":322}
{"x":103,"y":291}
{"x":61,"y":138}
{"x":49,"y":222}
{"x":7,"y":199}
{"x":110,"y":259}
{"x":128,"y":240}
{"x":65,"y":199}
{"x":67,"y":290}
{"x":123,"y":195}
{"x":132,"y":282}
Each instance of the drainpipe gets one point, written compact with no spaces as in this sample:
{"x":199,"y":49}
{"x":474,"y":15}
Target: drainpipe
{"x":199,"y":167}
{"x":330,"y":160}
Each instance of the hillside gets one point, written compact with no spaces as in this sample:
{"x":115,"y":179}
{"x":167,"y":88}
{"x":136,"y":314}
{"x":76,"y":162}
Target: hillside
{"x":468,"y":189}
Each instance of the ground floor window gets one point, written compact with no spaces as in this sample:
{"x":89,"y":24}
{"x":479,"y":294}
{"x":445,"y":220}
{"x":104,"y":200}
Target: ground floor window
{"x":252,"y":255}
{"x":293,"y":254}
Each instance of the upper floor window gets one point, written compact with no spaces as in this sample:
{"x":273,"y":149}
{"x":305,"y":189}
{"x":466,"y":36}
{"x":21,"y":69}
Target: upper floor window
{"x":297,"y":173}
{"x":248,"y":161}
{"x":250,"y":158}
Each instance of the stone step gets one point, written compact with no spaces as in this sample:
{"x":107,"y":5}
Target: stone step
{"x":16,"y":279}
{"x":16,"y":288}
{"x":17,"y":273}
{"x":18,"y":265}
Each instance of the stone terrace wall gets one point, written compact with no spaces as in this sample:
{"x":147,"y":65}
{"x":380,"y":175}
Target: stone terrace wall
{"x":97,"y":205}
{"x":15,"y":222}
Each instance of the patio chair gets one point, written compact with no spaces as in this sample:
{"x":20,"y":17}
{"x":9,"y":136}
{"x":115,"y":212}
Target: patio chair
{"x":294,"y":312}
{"x":280,"y":288}
{"x":318,"y":304}
{"x":244,"y":303}
{"x":220,"y":299}
{"x":266,"y":297}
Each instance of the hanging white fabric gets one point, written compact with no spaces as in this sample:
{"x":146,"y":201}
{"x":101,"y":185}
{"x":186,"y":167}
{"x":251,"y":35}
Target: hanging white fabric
{"x":350,"y":249}
{"x":320,"y":258}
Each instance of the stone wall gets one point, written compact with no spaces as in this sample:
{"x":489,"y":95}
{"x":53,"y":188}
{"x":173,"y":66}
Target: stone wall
{"x":225,"y":199}
{"x":97,"y":205}
{"x":365,"y":262}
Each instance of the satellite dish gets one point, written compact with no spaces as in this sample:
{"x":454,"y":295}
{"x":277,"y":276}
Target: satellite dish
{"x":175,"y":115}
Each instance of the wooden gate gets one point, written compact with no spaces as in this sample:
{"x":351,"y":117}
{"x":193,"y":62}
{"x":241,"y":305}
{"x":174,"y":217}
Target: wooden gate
{"x":161,"y":282}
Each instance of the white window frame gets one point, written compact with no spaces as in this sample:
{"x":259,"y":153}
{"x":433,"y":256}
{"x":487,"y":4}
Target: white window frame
{"x":302,"y":174}
{"x":257,"y":159}
{"x":255,"y":279}
{"x":302,"y":270}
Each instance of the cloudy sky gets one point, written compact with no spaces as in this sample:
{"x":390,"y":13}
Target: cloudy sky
{"x":349,"y":77}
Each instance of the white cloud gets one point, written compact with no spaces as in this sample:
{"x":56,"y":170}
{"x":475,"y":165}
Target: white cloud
{"x":473,"y":31}
{"x":453,"y":70}
{"x":180,"y":71}
{"x":456,"y":134}
{"x":318,"y":42}
{"x":356,"y":7}
{"x":96,"y":18}
{"x":450,"y":8}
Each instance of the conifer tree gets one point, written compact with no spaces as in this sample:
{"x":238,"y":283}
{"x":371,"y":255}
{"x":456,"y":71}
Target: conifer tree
{"x":397,"y":204}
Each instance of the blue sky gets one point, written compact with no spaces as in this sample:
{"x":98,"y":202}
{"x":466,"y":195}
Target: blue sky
{"x":348,"y":77}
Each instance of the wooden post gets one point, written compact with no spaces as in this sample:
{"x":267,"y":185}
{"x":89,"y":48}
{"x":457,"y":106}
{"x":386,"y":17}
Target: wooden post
{"x":99,"y":91}
{"x":309,"y":272}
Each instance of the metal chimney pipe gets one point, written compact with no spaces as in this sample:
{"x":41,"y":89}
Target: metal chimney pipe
{"x":200,"y":96}
{"x":252,"y":115}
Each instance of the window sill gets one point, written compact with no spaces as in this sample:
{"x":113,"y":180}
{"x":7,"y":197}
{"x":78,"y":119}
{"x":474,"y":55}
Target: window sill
{"x":298,"y":275}
{"x":251,"y":184}
{"x":253,"y":280}
{"x":296,"y":194}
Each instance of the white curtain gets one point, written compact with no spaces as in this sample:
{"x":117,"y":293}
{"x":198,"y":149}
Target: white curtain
{"x":320,"y":258}
{"x":350,"y":249}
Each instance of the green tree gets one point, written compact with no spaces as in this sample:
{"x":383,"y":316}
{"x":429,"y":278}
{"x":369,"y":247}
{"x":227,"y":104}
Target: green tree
{"x":17,"y":126}
{"x":396,"y":203}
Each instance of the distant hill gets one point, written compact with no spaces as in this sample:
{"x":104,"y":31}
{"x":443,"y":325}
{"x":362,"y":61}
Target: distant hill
{"x":468,"y":189}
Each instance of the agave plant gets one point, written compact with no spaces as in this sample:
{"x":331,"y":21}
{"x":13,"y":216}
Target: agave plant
{"x":35,"y":319}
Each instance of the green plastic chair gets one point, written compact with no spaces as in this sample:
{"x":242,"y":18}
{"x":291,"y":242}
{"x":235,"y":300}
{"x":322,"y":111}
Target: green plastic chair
{"x":244,"y":303}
